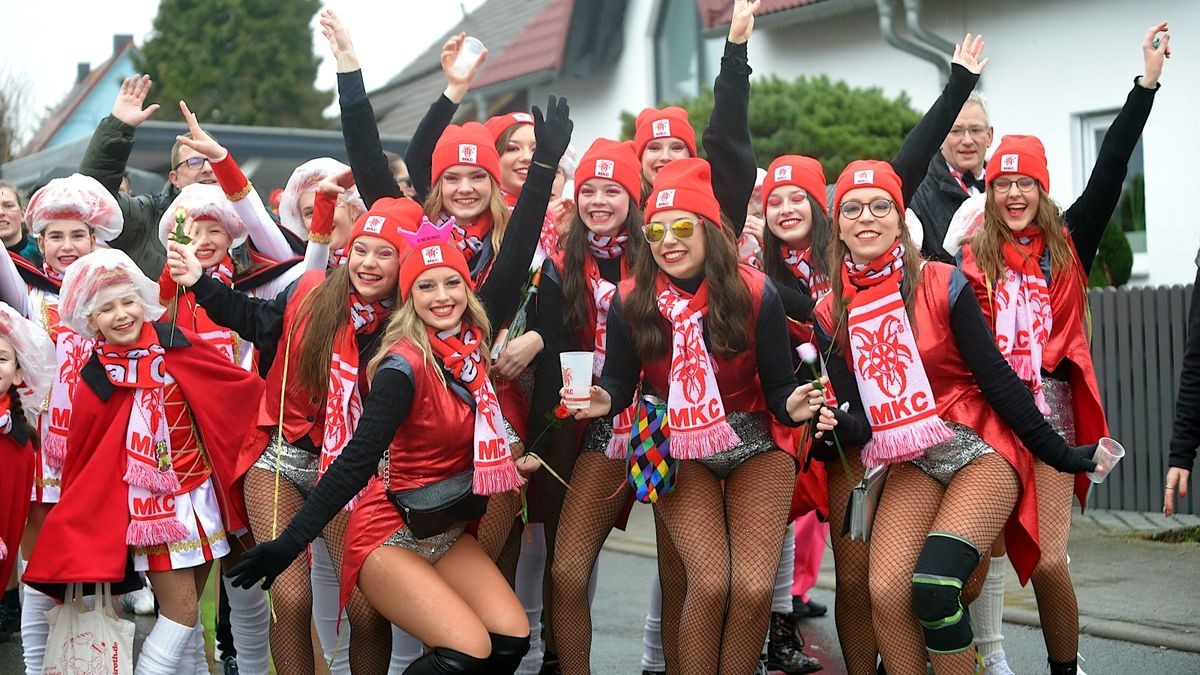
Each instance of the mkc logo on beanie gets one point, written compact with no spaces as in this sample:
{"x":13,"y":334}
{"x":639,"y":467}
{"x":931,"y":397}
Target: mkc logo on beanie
{"x":1009,"y":163}
{"x":864,"y":177}
{"x":666,"y":199}
{"x":468,"y":153}
{"x":661,"y":128}
{"x":522,"y":118}
{"x":783,"y":173}
{"x":374,"y":224}
{"x":432,"y":255}
{"x":604,"y":168}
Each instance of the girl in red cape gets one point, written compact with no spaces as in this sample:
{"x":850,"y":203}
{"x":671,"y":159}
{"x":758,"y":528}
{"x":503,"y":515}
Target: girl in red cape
{"x":907,"y":348}
{"x":152,"y":481}
{"x":431,"y":415}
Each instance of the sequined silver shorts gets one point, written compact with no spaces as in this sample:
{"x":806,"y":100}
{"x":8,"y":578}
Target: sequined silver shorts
{"x":431,"y":549}
{"x":597,"y":435}
{"x":944,"y":460}
{"x":1062,"y":415}
{"x":296,"y":465}
{"x":755,"y":431}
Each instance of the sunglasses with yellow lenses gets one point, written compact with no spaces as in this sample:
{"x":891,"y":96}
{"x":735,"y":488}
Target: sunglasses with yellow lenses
{"x":680,"y":229}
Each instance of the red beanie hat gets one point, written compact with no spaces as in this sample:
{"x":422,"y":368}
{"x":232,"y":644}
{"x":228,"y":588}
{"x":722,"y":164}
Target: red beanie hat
{"x":431,"y":248}
{"x":387,"y":219}
{"x":1020,"y":154}
{"x":670,"y":122}
{"x":613,"y":161}
{"x":802,"y":172}
{"x":499,"y":124}
{"x":469,"y":144}
{"x":869,"y":173}
{"x":684,"y":184}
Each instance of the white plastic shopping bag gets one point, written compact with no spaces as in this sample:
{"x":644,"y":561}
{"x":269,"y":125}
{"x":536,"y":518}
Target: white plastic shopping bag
{"x":85,"y":641}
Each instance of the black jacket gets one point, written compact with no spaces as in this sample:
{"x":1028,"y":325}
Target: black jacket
{"x":935,"y":201}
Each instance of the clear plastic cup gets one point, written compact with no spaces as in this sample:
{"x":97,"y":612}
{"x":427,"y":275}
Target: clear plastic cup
{"x":467,"y":56}
{"x":577,"y":379}
{"x":1108,"y":453}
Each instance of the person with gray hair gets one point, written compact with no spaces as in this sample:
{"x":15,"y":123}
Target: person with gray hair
{"x":954,"y":174}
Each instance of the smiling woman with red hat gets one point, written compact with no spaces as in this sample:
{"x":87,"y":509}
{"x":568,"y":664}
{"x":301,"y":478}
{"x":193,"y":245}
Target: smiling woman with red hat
{"x":707,"y":336}
{"x":433,"y":414}
{"x":927,"y":395}
{"x":1028,"y":263}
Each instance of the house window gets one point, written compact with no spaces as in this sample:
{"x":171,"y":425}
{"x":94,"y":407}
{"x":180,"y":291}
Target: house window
{"x":1130,"y":213}
{"x":678,"y":51}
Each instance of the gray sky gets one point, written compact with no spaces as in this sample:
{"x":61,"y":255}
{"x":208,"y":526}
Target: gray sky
{"x":43,"y":41}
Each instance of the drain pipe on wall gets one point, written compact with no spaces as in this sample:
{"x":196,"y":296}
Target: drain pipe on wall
{"x":916,"y":25}
{"x":888,"y":12}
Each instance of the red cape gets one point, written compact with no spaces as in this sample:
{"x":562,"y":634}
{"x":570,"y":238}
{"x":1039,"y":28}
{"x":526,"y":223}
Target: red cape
{"x":16,"y":483}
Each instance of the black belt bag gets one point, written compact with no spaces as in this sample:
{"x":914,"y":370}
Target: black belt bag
{"x":433,"y":509}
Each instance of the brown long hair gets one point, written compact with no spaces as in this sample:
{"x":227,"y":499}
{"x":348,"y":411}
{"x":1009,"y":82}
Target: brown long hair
{"x":987,"y":244}
{"x":729,"y":300}
{"x":435,"y":207}
{"x":577,"y":298}
{"x":818,"y":238}
{"x":908,"y":288}
{"x":404,"y":324}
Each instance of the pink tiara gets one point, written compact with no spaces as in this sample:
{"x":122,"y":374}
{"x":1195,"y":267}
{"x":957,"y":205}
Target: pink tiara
{"x":428,"y":233}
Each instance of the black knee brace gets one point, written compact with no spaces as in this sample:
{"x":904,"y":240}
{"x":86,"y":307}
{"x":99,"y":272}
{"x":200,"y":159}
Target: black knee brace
{"x":943,"y":566}
{"x":444,"y":661}
{"x":507,"y":652}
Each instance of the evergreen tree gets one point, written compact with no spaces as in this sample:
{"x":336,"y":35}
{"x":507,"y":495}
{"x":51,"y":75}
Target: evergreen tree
{"x":236,"y":61}
{"x":814,"y":116}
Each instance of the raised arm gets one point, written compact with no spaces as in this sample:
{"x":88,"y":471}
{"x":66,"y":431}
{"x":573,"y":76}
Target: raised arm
{"x":1089,"y":215}
{"x":13,"y":290}
{"x":912,"y":160}
{"x":726,"y":139}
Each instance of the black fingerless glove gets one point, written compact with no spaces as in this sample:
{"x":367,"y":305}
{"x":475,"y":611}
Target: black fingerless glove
{"x":552,"y":132}
{"x":1071,"y":459}
{"x":825,"y":447}
{"x":267,"y":561}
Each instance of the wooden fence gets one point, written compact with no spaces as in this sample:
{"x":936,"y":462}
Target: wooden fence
{"x":1137,"y":344}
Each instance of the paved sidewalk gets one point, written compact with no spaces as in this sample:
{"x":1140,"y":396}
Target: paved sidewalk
{"x":1128,"y":588}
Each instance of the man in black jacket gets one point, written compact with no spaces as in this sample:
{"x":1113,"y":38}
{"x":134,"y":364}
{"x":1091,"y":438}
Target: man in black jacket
{"x":954,"y":174}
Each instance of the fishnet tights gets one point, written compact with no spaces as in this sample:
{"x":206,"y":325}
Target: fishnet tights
{"x":370,"y":648}
{"x":560,"y":453}
{"x":588,"y":515}
{"x":500,"y":535}
{"x":975,"y":506}
{"x":729,"y":587}
{"x":1057,"y":607}
{"x":672,"y":586}
{"x":852,"y":601}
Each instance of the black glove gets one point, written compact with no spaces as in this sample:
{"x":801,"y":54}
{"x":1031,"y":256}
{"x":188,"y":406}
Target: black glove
{"x":553,"y":132}
{"x":1072,"y":459}
{"x":266,"y":561}
{"x":825,"y":447}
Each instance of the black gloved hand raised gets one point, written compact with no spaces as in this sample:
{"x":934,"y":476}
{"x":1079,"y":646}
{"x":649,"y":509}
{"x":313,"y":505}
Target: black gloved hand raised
{"x":552,"y":132}
{"x":1074,"y":460}
{"x":266,"y":561}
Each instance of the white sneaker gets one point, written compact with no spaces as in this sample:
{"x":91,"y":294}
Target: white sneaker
{"x":996,"y":664}
{"x":139,"y":602}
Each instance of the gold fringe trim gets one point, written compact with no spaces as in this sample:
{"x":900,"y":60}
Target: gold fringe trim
{"x":320,"y":238}
{"x":49,"y":482}
{"x":181,"y":546}
{"x":240,"y":194}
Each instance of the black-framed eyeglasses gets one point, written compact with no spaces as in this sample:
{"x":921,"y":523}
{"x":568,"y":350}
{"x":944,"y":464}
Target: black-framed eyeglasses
{"x":879,"y":208}
{"x":193,"y":163}
{"x":680,"y":229}
{"x":1024,"y":184}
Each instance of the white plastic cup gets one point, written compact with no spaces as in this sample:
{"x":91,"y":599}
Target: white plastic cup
{"x":1108,"y":453}
{"x":577,"y":379}
{"x":467,"y":56}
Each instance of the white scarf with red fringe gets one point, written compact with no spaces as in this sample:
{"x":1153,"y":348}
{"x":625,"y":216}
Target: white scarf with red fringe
{"x":1024,"y":320}
{"x":71,"y":352}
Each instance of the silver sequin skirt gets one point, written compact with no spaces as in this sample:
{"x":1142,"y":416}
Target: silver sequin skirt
{"x":431,"y":549}
{"x":755,"y":431}
{"x":944,"y":460}
{"x":1062,"y":415}
{"x":597,"y":435}
{"x":296,"y":465}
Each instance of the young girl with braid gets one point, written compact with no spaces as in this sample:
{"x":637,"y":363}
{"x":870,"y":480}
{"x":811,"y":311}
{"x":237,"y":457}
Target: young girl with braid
{"x":708,"y":336}
{"x":907,"y":348}
{"x":431,"y":415}
{"x":150,"y":428}
{"x":1028,"y":262}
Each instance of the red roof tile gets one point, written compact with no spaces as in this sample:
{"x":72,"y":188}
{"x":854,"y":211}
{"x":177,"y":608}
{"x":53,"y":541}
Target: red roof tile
{"x":715,"y":13}
{"x":537,"y":48}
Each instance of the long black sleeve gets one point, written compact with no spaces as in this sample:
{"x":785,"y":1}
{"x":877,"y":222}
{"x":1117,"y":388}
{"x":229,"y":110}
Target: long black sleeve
{"x":622,"y":365}
{"x":1000,"y":385}
{"x":773,"y":355}
{"x":797,"y":301}
{"x":255,"y":319}
{"x":372,"y":175}
{"x":386,"y":407}
{"x":853,"y":429}
{"x":501,"y":290}
{"x":727,"y":137}
{"x":912,"y":160}
{"x":419,"y":155}
{"x":1089,"y":215}
{"x":1185,"y":436}
{"x":547,"y":374}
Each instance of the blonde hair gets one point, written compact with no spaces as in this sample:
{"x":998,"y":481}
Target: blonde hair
{"x":435,"y":207}
{"x":987,"y":244}
{"x":404,"y":324}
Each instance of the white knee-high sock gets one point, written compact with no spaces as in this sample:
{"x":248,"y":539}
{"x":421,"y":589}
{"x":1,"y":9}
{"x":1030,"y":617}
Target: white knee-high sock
{"x":405,"y":650}
{"x":250,"y":623}
{"x":653,"y":657}
{"x":531,"y":565}
{"x":196,"y":654}
{"x":987,"y":612}
{"x":592,"y":581}
{"x":781,"y":599}
{"x":164,"y":648}
{"x":34,"y":628}
{"x":325,"y":591}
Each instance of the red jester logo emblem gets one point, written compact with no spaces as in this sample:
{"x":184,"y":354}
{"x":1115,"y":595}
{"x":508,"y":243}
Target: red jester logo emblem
{"x":690,"y":374}
{"x":881,"y":355}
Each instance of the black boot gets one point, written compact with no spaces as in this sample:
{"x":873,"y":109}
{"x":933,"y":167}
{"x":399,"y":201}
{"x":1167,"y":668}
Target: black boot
{"x":507,"y":652}
{"x":1064,"y":667}
{"x":785,"y":650}
{"x":443,"y":661}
